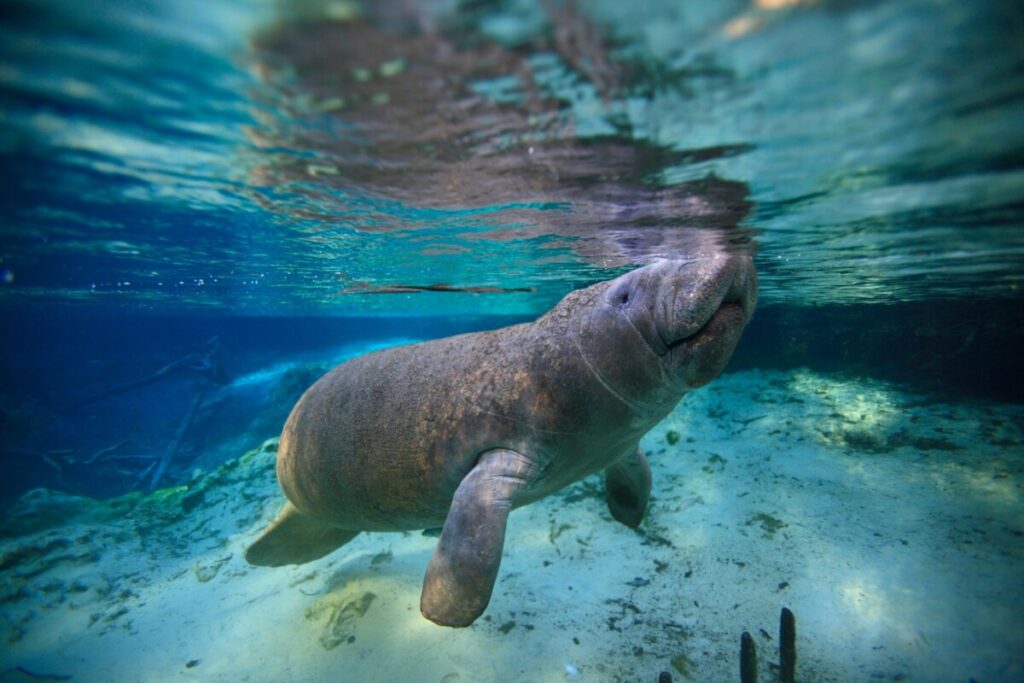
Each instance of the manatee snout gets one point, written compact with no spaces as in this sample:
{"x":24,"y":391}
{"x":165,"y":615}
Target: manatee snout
{"x":691,"y":292}
{"x":703,"y":306}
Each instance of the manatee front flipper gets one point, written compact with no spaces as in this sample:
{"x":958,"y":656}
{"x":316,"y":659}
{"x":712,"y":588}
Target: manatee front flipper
{"x":628,"y":488}
{"x":461,"y":574}
{"x":295,"y":538}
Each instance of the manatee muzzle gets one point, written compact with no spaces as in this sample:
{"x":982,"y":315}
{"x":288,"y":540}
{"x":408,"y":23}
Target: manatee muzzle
{"x":701,"y":312}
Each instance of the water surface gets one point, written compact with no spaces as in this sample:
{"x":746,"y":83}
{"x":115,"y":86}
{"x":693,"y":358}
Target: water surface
{"x":259,"y":159}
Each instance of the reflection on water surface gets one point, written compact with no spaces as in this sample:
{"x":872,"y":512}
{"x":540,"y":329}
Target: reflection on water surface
{"x":297,"y":159}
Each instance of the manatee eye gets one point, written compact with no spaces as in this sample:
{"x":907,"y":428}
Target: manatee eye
{"x":622,"y":298}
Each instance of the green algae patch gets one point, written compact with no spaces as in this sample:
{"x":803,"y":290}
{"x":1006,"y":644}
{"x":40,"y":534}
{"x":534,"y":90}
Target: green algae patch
{"x":326,"y":106}
{"x":769,"y":524}
{"x":59,"y":549}
{"x":716,"y":464}
{"x":268,"y":446}
{"x":867,"y":440}
{"x":162,"y":500}
{"x":392,"y":68}
{"x":927,"y":443}
{"x":42,"y":509}
{"x":683,"y":665}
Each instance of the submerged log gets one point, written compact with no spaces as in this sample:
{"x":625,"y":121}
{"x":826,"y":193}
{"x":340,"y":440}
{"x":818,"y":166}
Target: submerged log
{"x":204,"y":363}
{"x":787,"y":646}
{"x":748,"y":659}
{"x":172,"y":447}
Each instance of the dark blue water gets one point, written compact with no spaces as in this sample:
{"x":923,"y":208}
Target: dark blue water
{"x":203,"y":209}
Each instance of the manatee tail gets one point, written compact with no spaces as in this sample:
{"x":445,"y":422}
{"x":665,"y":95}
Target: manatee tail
{"x":295,"y":538}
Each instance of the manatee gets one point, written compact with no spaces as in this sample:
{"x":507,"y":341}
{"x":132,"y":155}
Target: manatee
{"x":461,"y":430}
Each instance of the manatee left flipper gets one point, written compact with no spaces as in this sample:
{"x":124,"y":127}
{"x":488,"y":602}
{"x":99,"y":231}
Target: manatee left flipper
{"x":461,"y":574}
{"x":628,"y":488}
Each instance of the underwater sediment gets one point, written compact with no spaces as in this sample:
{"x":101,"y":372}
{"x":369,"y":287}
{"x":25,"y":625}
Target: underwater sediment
{"x":852,"y":502}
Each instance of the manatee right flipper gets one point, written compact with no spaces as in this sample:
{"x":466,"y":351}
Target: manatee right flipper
{"x":461,"y":574}
{"x":628,"y":488}
{"x":295,"y":538}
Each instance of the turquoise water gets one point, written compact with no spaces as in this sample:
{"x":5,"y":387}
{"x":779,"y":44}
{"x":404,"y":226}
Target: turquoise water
{"x":236,"y":161}
{"x":206,"y":206}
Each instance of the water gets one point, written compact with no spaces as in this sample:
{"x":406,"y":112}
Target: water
{"x":203,"y":211}
{"x":213,"y":162}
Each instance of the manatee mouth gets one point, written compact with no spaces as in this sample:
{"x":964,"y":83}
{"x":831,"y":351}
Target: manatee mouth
{"x":704,"y":354}
{"x":729,"y":314}
{"x":691,"y":311}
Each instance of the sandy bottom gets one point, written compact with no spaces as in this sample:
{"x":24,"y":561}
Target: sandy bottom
{"x":891,"y":524}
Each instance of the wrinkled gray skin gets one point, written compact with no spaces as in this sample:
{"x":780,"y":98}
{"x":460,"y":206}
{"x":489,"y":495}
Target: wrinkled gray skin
{"x":461,"y":430}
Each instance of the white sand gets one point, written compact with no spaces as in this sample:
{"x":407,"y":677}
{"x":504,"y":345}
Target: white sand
{"x":892,"y":526}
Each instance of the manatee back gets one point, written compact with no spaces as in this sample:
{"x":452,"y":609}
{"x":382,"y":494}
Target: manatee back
{"x":381,"y":442}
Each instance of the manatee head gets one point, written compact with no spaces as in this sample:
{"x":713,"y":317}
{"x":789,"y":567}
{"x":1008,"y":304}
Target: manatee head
{"x":668,"y":327}
{"x":690,"y":312}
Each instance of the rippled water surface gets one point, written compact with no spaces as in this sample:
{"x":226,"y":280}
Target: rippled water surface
{"x":487,"y":157}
